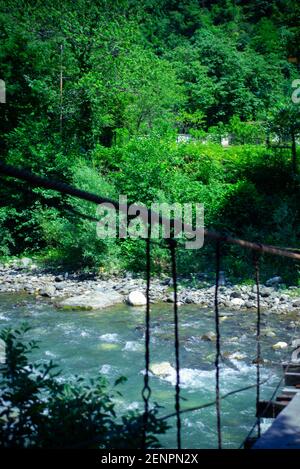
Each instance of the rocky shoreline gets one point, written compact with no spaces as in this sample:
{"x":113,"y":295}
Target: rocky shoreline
{"x":86,"y":291}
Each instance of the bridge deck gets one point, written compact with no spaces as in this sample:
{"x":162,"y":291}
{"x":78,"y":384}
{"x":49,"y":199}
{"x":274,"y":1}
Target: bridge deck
{"x":284,"y":433}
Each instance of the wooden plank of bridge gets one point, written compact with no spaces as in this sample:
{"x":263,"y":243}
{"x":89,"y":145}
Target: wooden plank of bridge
{"x":267,"y":409}
{"x":284,"y":398}
{"x":290,"y":390}
{"x":292,"y":367}
{"x":291,"y":378}
{"x":284,"y":433}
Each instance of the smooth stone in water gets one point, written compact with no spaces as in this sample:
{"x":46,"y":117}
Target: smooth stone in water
{"x":223,"y":318}
{"x":136,"y":298}
{"x":95,"y":300}
{"x":107,"y":347}
{"x":162,"y":369}
{"x":268,"y":333}
{"x":233,"y":340}
{"x":279,"y":346}
{"x":237,"y":356}
{"x":209,"y":336}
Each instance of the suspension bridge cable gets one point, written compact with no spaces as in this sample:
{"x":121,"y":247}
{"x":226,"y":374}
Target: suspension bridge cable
{"x":146,"y":392}
{"x":172,"y":245}
{"x":218,"y":345}
{"x":258,"y":348}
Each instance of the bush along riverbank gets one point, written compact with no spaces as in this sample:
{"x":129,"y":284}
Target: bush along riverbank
{"x":90,"y":291}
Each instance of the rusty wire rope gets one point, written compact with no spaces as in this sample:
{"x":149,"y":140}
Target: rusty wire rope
{"x":64,"y":188}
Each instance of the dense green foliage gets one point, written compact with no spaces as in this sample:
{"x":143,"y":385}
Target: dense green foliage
{"x":134,"y":75}
{"x":34,"y":403}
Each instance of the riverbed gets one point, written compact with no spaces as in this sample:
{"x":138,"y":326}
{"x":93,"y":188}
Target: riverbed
{"x":111,"y":342}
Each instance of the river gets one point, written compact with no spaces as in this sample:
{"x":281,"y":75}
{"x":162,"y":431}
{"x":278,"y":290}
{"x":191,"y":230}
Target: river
{"x":111,"y":342}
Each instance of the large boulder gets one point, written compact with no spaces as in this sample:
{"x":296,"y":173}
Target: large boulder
{"x":237,"y":302}
{"x":136,"y":298}
{"x":274,"y":281}
{"x":95,"y":300}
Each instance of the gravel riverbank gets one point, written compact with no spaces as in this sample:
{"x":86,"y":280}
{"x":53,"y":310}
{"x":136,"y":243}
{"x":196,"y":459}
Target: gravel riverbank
{"x":74,"y":290}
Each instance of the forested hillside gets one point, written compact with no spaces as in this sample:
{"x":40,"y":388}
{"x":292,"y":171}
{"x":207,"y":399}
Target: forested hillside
{"x":96,"y":94}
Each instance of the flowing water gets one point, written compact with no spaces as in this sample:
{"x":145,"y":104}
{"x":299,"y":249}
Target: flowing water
{"x":111,"y":342}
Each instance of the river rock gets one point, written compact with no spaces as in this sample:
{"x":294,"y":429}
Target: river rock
{"x":237,"y":356}
{"x":162,"y":369}
{"x":233,"y":340}
{"x":225,"y":315}
{"x":268,"y":333}
{"x":95,"y":300}
{"x":136,"y":298}
{"x":236,"y":294}
{"x":274,"y":281}
{"x":265,"y":292}
{"x":223,"y":318}
{"x":237,"y":301}
{"x":209,"y":336}
{"x":259,"y":361}
{"x":48,"y":290}
{"x":107,"y":347}
{"x":296,"y":303}
{"x":279,"y":346}
{"x":59,"y":278}
{"x":25,"y":262}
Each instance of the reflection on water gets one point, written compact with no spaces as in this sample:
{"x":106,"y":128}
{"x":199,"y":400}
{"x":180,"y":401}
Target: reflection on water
{"x":112,"y":342}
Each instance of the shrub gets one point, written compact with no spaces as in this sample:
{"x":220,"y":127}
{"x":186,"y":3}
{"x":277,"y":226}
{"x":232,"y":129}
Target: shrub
{"x":72,"y":240}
